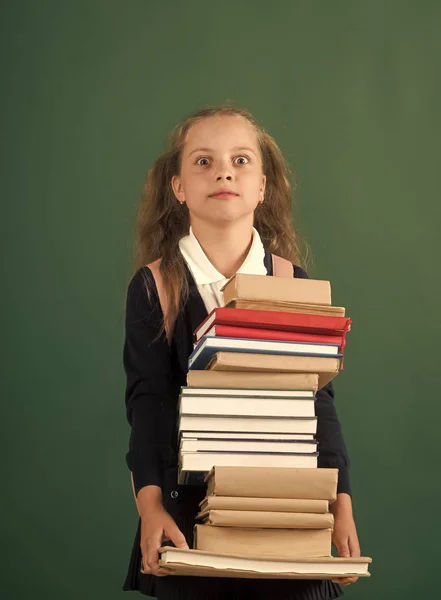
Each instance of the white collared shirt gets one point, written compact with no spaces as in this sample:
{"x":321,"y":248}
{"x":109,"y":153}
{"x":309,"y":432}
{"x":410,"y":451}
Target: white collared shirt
{"x":207,"y":278}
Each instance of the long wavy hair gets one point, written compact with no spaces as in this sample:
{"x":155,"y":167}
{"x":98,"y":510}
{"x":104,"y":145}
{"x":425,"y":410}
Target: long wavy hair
{"x":162,"y":221}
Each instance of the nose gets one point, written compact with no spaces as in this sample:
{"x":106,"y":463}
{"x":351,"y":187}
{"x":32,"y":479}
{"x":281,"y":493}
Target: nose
{"x":224,"y":170}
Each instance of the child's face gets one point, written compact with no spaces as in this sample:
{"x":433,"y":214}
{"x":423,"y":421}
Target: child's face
{"x":220,"y":153}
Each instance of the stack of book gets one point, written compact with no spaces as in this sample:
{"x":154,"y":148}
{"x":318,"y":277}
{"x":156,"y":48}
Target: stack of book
{"x":254,"y":373}
{"x":265,"y":522}
{"x":247,"y":418}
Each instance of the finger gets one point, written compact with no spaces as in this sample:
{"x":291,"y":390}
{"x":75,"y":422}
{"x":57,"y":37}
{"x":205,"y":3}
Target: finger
{"x":344,"y":581}
{"x":354,"y":546}
{"x":176,"y":536}
{"x":151,"y":555}
{"x":145,"y":570}
{"x":342,"y":548}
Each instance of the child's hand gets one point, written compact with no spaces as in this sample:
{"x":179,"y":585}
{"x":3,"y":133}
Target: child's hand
{"x":344,"y":537}
{"x":157,"y":526}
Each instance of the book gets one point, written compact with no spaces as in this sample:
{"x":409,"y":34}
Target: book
{"x":325,"y":367}
{"x":231,"y":331}
{"x":293,"y":307}
{"x":241,"y":393}
{"x":268,"y":446}
{"x":274,"y":320}
{"x":208,"y":346}
{"x":255,"y":287}
{"x":273,"y":482}
{"x":249,"y":380}
{"x":225,"y":406}
{"x":213,"y":564}
{"x":248,"y":424}
{"x":266,"y":504}
{"x":274,"y":543}
{"x":266,"y":519}
{"x":249,"y":435}
{"x":193,"y":466}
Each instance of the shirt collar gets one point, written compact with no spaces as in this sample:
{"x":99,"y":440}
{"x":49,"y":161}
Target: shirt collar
{"x":204,"y":272}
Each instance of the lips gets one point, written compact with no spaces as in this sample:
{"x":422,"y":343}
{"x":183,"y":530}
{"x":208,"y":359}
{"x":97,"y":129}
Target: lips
{"x":223,"y":194}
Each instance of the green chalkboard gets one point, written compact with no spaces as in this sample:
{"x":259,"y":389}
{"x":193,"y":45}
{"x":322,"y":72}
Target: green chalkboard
{"x":351,"y":91}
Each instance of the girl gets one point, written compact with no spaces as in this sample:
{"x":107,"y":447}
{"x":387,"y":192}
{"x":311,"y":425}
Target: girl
{"x":218,"y":201}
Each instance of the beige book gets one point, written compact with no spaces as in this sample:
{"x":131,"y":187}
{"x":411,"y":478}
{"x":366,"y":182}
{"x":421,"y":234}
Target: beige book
{"x":266,"y":504}
{"x":290,"y":307}
{"x":273,"y":482}
{"x":279,"y":289}
{"x":213,"y":564}
{"x":275,"y":543}
{"x":325,"y":367}
{"x":266,"y":519}
{"x":249,"y":380}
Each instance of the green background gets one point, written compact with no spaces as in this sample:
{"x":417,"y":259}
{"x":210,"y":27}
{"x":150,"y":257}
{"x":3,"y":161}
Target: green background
{"x":351,"y":91}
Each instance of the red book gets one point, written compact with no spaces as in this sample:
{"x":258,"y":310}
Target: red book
{"x":273,"y":334}
{"x":275,"y":321}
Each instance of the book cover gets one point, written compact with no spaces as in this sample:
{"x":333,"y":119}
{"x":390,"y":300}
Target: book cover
{"x":258,"y":287}
{"x":325,"y":367}
{"x":225,"y":406}
{"x":214,"y":564}
{"x":309,"y":309}
{"x":273,"y":482}
{"x":274,"y":543}
{"x":208,"y":346}
{"x":266,"y":519}
{"x":203,"y":462}
{"x":252,"y":380}
{"x":275,"y":320}
{"x":248,"y":424}
{"x":266,"y":504}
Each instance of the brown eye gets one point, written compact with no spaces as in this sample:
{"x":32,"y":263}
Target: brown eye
{"x":202,"y":158}
{"x":243,"y":158}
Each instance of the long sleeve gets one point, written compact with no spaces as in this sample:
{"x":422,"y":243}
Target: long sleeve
{"x":331,"y":445}
{"x":150,"y":399}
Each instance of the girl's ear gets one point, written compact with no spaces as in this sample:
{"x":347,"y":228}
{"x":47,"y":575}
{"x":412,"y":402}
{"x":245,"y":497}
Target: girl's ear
{"x":177,"y":188}
{"x":262,"y":189}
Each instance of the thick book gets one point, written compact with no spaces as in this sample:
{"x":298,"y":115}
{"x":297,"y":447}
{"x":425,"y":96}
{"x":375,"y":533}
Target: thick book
{"x":274,"y":320}
{"x":232,"y":331}
{"x":193,"y":466}
{"x":247,"y":380}
{"x":274,"y":543}
{"x":308,"y":309}
{"x":266,"y":519}
{"x":325,"y":367}
{"x":225,"y":406}
{"x":267,"y":446}
{"x":266,"y":504}
{"x":267,"y":482}
{"x":247,"y":436}
{"x":248,"y":424}
{"x":208,"y":346}
{"x":279,"y":289}
{"x":200,"y":563}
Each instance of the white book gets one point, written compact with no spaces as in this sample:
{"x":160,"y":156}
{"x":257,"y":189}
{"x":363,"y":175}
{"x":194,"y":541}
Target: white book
{"x":237,"y":435}
{"x":199,"y":562}
{"x":241,"y":392}
{"x":254,"y":407}
{"x":213,"y":445}
{"x":243,"y":424}
{"x":205,"y":461}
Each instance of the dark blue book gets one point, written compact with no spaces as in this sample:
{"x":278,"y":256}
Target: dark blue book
{"x":208,"y":346}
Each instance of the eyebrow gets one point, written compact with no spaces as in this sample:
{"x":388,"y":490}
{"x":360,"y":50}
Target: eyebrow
{"x":235,"y":149}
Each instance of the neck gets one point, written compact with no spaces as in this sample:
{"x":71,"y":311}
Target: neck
{"x":225,"y":248}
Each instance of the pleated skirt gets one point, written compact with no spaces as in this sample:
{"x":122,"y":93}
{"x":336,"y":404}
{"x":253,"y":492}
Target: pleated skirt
{"x":182,"y":502}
